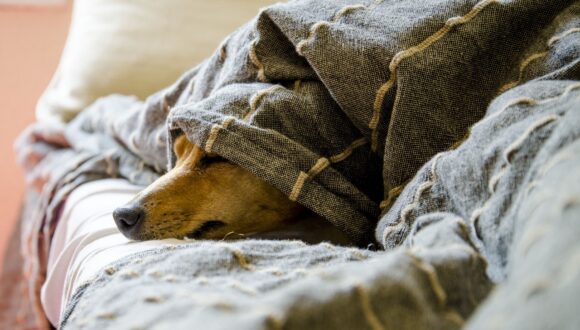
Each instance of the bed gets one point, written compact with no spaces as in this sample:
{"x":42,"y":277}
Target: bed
{"x":441,"y":138}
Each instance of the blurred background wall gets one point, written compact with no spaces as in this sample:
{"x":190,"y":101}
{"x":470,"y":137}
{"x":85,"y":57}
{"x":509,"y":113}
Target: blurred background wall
{"x":31,"y":41}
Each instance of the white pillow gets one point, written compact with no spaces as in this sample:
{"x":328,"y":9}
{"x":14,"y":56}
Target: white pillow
{"x":135,"y":47}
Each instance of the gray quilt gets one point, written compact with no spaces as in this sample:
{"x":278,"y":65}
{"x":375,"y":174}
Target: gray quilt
{"x":369,"y":114}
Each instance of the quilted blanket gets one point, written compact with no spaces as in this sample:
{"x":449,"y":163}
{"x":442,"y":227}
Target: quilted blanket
{"x":369,"y":114}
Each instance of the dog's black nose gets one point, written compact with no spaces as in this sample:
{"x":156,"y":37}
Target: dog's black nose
{"x":128,"y":219}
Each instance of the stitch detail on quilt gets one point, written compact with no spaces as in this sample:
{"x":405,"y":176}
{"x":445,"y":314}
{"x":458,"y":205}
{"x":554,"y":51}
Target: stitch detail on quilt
{"x":274,"y":322}
{"x":213,"y":134}
{"x":111,"y":169}
{"x":400,"y":56}
{"x":316,"y":26}
{"x":297,"y":85}
{"x":528,"y":101}
{"x":495,"y":179}
{"x":532,"y":236}
{"x":153,"y":299}
{"x":132,"y":142}
{"x":367,"y":308}
{"x":348,"y":151}
{"x":520,"y":100}
{"x":107,"y":316}
{"x":110,"y":270}
{"x":391,"y":195}
{"x":557,"y":38}
{"x":455,"y":317}
{"x":272,"y":270}
{"x":242,"y":261}
{"x":431,"y":273}
{"x":534,"y":57}
{"x":164,"y":104}
{"x":523,"y":67}
{"x":320,"y":165}
{"x":410,"y":207}
{"x":256,"y":98}
{"x":256,"y":61}
{"x":345,"y":10}
{"x":223,"y":51}
{"x":512,"y":148}
{"x":243,"y":288}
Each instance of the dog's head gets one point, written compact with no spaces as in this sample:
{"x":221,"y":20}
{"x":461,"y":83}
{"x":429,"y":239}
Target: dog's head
{"x":203,"y":197}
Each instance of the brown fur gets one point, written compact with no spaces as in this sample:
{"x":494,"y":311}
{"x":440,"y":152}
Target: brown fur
{"x":201,"y":189}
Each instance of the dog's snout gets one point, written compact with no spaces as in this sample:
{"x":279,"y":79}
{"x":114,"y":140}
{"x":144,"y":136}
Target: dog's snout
{"x":128,"y":219}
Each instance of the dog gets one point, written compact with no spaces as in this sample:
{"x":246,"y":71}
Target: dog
{"x":205,"y":197}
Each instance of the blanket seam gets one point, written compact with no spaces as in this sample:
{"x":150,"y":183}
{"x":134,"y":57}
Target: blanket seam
{"x":400,"y":56}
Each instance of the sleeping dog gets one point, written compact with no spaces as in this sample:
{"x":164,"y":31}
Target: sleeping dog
{"x":204,"y":197}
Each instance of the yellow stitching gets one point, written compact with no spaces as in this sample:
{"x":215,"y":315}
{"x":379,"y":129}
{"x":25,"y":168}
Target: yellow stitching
{"x":392,"y":194}
{"x":256,"y":98}
{"x":534,"y":57}
{"x":557,"y":38}
{"x":523,"y":67}
{"x":367,"y":308}
{"x":454,"y":317}
{"x":212,"y":137}
{"x":519,"y":141}
{"x":111,"y":164}
{"x":223,"y":52}
{"x":273,"y":322}
{"x":310,"y":37}
{"x":390,"y":229}
{"x":431,"y":273}
{"x":520,"y":100}
{"x":241,"y":259}
{"x":396,"y":60}
{"x":495,"y":179}
{"x":256,"y":61}
{"x":298,"y":186}
{"x":314,"y":28}
{"x":213,"y":134}
{"x":297,"y":85}
{"x":243,"y":288}
{"x":320,"y":165}
{"x":532,"y":236}
{"x":227,"y":122}
{"x":420,"y":190}
{"x":165,"y":104}
{"x":345,"y":10}
{"x":348,"y":151}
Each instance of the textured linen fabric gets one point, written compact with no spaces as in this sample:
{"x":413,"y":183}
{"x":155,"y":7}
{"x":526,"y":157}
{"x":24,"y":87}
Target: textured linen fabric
{"x":298,"y":98}
{"x":338,"y":104}
{"x":283,"y":284}
{"x":501,"y":208}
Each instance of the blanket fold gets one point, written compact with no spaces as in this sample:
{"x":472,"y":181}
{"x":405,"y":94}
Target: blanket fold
{"x":342,"y":106}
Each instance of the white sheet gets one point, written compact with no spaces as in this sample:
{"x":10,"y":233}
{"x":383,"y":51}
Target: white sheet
{"x":86,"y":240}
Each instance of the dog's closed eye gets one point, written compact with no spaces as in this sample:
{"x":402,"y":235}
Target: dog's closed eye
{"x":205,"y":228}
{"x":205,"y":161}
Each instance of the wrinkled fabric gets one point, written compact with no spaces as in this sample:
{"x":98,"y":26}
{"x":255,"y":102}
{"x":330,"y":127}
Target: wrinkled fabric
{"x":500,"y":210}
{"x":338,"y":104}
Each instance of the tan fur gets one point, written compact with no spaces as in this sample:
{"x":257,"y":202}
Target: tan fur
{"x":201,"y":189}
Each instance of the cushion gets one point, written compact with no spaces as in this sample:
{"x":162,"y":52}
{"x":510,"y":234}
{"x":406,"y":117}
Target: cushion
{"x":135,"y":48}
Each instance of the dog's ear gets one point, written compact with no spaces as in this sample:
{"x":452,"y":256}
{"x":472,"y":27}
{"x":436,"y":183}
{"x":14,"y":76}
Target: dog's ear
{"x":188,"y":154}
